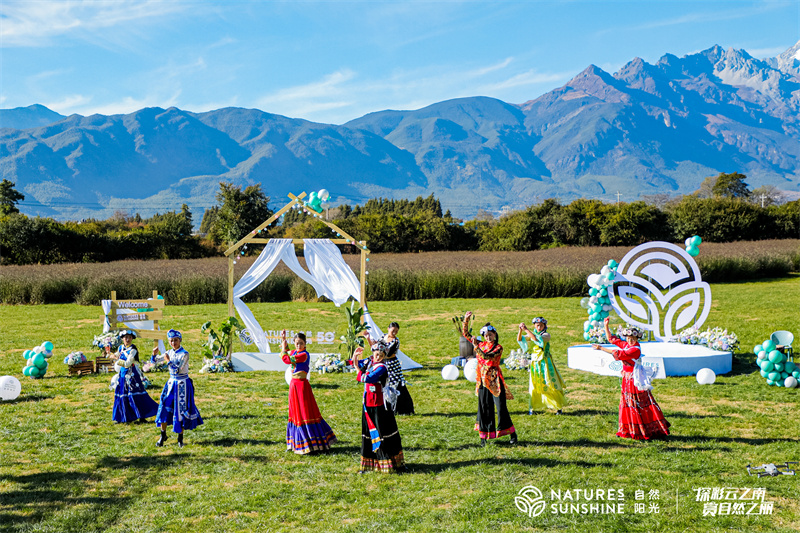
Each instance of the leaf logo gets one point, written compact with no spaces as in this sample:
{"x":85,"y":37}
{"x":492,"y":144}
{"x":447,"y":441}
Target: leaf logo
{"x":529,"y":500}
{"x":659,"y":288}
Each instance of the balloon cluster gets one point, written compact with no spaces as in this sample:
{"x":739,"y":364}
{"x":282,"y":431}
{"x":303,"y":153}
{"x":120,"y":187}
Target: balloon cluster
{"x":10,"y":388}
{"x":598,"y":304}
{"x":315,"y":200}
{"x":692,"y":244}
{"x":37,"y":357}
{"x":775,"y":366}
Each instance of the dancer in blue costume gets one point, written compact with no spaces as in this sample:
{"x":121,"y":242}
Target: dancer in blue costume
{"x":131,"y":401}
{"x":177,"y":400}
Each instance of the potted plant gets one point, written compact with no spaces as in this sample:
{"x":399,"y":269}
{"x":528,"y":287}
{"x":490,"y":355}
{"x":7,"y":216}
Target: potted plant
{"x":217,"y":348}
{"x":352,"y":339}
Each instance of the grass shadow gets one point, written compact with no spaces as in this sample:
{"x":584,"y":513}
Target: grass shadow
{"x":435,"y":468}
{"x":444,"y":415}
{"x":238,"y":417}
{"x":228,"y":442}
{"x":320,"y":386}
{"x":29,"y":398}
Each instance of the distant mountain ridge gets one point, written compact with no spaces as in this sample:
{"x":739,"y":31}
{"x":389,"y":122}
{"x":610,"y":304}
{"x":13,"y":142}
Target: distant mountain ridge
{"x":647,"y":129}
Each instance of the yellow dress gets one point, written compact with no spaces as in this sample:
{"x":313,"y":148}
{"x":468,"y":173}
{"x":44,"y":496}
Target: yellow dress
{"x":545,"y":384}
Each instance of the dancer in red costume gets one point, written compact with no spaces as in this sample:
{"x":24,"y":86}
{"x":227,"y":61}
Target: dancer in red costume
{"x":640,"y":417}
{"x":306,"y":431}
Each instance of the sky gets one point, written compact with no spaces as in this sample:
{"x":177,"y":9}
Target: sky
{"x":334,"y":61}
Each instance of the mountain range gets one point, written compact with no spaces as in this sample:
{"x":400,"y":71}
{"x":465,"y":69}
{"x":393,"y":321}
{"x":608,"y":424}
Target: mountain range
{"x":646,"y":129}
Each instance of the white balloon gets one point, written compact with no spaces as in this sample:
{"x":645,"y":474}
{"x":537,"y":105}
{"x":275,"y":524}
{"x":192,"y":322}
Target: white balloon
{"x":706,"y":376}
{"x":762,"y":355}
{"x":605,"y":270}
{"x":450,"y":372}
{"x":471,"y":370}
{"x":606,"y":307}
{"x":38,"y":349}
{"x":323,"y":195}
{"x":593,"y":280}
{"x":790,"y":382}
{"x":288,"y":376}
{"x":10,"y":388}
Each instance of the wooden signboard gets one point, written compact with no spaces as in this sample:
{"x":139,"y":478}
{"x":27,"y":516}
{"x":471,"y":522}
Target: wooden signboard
{"x":140,"y":310}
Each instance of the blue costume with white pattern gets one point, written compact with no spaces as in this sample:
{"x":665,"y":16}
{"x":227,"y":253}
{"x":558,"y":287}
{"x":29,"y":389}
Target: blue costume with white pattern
{"x":131,"y":401}
{"x":177,"y":399}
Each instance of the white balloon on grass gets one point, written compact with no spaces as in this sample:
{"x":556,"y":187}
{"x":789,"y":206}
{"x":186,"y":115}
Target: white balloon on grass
{"x":471,"y":370}
{"x":706,"y":376}
{"x":10,"y":388}
{"x":790,"y":382}
{"x":450,"y":372}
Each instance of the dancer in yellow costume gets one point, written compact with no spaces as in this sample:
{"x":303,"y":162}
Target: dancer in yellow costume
{"x":545,"y":386}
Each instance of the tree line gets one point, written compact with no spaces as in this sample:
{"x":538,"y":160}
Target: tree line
{"x":724,"y":209}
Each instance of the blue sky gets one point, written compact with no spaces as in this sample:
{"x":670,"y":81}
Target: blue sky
{"x":333,"y":61}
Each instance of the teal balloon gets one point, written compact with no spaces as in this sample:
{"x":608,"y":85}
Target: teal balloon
{"x":26,"y":354}
{"x":613,"y":264}
{"x":796,"y":374}
{"x":778,"y":366}
{"x":38,"y":360}
{"x":775,"y":356}
{"x":784,"y":375}
{"x":592,"y":291}
{"x":610,"y":276}
{"x":757,"y":349}
{"x":603,"y":291}
{"x":48,"y":346}
{"x":774,"y":376}
{"x":770,"y":382}
{"x":764,"y":373}
{"x":26,"y":371}
{"x":160,"y":297}
{"x":586,"y":336}
{"x":33,"y":371}
{"x":696,"y":241}
{"x":766,"y":365}
{"x":768,"y":345}
{"x":693,"y":251}
{"x":790,"y":367}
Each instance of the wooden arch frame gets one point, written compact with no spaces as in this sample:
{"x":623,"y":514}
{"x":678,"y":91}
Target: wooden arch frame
{"x":252,"y":238}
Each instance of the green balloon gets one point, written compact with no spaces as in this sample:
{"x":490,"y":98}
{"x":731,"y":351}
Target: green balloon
{"x":763,"y":373}
{"x":39,"y":360}
{"x":770,"y":382}
{"x":778,"y":366}
{"x":796,"y":374}
{"x":789,"y":366}
{"x":48,"y":346}
{"x":696,"y":240}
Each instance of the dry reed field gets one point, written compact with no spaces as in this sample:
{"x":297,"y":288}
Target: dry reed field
{"x":568,"y":257}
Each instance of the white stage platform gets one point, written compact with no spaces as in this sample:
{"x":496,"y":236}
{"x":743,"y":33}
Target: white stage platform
{"x":247,"y":361}
{"x":669,"y":358}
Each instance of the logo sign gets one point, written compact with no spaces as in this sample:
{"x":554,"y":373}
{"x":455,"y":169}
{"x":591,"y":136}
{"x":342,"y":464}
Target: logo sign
{"x":321,"y":337}
{"x":658,"y":287}
{"x":529,"y":500}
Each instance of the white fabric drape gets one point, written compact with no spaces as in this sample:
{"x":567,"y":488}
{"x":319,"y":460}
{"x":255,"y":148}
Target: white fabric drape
{"x":274,"y":252}
{"x":327,"y":273}
{"x":326,"y":264}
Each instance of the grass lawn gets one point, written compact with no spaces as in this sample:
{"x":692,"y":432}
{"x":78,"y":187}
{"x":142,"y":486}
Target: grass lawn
{"x":65,"y":466}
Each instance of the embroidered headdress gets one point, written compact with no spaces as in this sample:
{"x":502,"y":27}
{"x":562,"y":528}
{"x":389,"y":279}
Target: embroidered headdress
{"x":174,"y":333}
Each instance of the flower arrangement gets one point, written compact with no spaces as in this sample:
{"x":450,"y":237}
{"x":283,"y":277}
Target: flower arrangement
{"x":106,"y":342}
{"x":75,"y":358}
{"x":517,"y":360}
{"x":216,"y":364}
{"x":329,"y":363}
{"x":714,"y":338}
{"x":596,"y":335}
{"x":155,"y":365}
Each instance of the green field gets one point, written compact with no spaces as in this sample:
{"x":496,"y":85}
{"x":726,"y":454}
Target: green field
{"x":65,"y":466}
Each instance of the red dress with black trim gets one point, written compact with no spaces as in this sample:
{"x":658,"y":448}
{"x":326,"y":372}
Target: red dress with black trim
{"x":306,"y":430}
{"x":640,"y":417}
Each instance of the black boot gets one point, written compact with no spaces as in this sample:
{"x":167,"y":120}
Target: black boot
{"x":513,"y":439}
{"x":162,"y":439}
{"x":483,"y":442}
{"x":180,"y":440}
